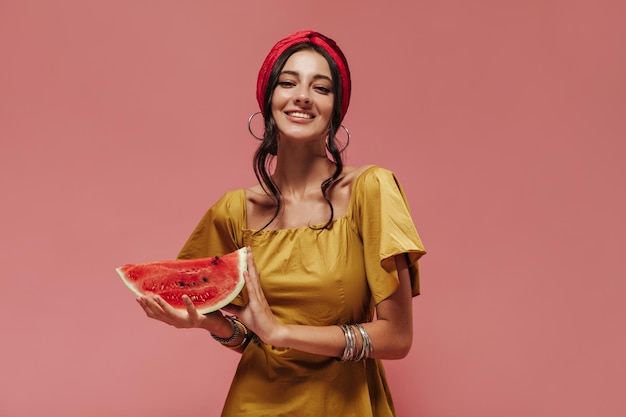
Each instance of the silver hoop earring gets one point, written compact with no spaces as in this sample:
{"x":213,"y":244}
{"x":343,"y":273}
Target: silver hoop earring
{"x":250,"y":128}
{"x":347,"y":139}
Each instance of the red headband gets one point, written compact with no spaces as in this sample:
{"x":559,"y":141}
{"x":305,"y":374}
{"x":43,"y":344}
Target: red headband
{"x":309,"y":36}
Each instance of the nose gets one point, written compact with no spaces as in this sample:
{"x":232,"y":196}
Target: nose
{"x":302,"y":97}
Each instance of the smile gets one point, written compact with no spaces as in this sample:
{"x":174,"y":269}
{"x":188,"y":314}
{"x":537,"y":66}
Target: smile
{"x":300,"y":115}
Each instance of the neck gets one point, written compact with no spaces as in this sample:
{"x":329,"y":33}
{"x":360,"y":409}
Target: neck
{"x":300,"y":170}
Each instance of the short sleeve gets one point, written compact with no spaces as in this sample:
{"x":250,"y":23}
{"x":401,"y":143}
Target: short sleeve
{"x":384,"y":223}
{"x":219,"y":231}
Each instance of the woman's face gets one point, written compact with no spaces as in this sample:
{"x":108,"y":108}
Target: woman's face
{"x":302,"y":102}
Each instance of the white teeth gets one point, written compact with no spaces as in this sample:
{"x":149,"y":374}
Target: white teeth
{"x":301,"y":115}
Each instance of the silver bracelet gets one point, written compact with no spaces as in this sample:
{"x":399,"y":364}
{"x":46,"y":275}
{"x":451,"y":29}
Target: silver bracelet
{"x":367,"y":349}
{"x":352,"y":354}
{"x":234,"y":335}
{"x":348,"y":351}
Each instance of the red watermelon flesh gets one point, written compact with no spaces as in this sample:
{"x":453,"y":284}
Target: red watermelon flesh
{"x":211,"y":283}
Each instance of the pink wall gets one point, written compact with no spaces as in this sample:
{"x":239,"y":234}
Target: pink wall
{"x":122,"y":121}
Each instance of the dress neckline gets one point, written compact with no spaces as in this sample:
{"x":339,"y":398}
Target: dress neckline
{"x":314,"y":227}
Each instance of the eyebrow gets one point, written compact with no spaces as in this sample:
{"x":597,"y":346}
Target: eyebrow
{"x":315,"y":77}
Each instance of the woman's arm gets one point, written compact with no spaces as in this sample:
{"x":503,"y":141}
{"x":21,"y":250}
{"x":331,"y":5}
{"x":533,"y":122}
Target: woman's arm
{"x":157,"y":308}
{"x":391,"y":333}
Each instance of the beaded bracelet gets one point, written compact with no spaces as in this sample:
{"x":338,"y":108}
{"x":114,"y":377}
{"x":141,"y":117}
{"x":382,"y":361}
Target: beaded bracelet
{"x":246,"y":336}
{"x":233,"y":336}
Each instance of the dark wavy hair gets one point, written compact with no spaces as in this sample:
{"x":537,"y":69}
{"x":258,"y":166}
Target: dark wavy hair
{"x":268,"y":148}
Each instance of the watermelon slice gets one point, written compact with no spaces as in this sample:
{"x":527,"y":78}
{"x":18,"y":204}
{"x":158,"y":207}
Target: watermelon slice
{"x":211,"y":283}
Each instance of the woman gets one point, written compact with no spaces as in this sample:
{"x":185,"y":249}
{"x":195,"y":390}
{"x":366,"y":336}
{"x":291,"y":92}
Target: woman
{"x":328,"y":293}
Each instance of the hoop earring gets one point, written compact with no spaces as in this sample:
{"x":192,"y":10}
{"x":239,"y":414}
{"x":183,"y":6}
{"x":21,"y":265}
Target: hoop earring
{"x":250,"y":128}
{"x":347,"y":140}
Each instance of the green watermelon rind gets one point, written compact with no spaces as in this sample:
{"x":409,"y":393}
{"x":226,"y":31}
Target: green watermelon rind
{"x":243,"y":266}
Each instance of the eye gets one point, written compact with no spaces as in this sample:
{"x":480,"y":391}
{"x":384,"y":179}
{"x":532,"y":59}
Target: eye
{"x":322,"y":89}
{"x":286,"y":84}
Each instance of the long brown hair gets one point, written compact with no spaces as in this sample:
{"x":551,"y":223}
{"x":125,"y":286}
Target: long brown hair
{"x":268,"y":148}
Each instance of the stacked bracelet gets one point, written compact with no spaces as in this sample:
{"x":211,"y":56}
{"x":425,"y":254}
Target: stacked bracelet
{"x":246,"y":336}
{"x":367,"y":349}
{"x":350,"y":351}
{"x":233,"y":336}
{"x":236,"y":330}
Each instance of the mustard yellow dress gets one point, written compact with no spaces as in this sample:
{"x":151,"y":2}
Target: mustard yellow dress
{"x":316,"y":278}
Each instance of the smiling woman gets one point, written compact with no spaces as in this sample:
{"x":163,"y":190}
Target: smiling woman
{"x":329,"y":290}
{"x":302,"y":103}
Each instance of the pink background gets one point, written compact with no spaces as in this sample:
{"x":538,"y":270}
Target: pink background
{"x":122,"y":121}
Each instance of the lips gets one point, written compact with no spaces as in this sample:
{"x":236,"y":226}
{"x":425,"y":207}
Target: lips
{"x":299,"y":115}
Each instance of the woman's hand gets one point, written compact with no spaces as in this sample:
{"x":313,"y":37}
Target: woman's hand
{"x":157,"y":308}
{"x":257,"y":315}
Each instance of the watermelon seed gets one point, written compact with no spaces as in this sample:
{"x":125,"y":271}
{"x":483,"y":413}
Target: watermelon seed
{"x":204,"y":279}
{"x":182,"y":284}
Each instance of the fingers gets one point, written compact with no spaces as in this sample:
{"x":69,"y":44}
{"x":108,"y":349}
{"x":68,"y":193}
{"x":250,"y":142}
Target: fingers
{"x":191,"y":309}
{"x":256,"y":298}
{"x":251,"y":264}
{"x":251,"y":276}
{"x":157,"y":308}
{"x":252,"y":286}
{"x":150,"y":306}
